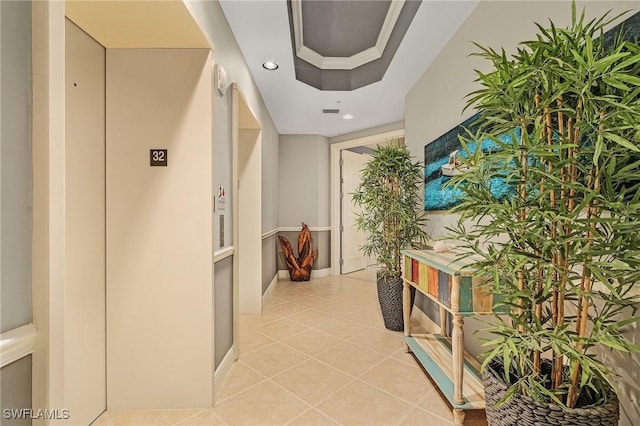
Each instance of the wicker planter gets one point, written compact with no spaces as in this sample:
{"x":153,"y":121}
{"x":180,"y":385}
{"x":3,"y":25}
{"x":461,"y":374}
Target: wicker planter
{"x":523,"y":411}
{"x":390,"y":298}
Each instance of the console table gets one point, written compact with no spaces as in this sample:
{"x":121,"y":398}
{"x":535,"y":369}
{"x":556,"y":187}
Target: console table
{"x":449,"y":283}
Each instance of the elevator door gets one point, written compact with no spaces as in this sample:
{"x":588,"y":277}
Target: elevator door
{"x":84,"y":294}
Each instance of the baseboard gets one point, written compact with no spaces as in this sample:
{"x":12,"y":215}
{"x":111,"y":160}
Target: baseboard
{"x":319,"y":273}
{"x":223,"y":370}
{"x":272,"y":285}
{"x":315,"y":273}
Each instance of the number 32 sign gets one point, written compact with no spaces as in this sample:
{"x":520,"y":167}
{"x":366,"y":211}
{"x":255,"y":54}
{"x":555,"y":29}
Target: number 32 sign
{"x":158,"y":157}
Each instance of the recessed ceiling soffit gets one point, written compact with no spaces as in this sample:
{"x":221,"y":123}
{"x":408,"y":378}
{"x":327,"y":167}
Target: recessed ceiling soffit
{"x":344,"y":45}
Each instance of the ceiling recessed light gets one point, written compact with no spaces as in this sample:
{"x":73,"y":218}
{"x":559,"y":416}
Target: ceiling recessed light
{"x":347,"y":116}
{"x":270,"y":65}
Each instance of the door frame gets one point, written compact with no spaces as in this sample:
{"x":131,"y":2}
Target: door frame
{"x":335,"y":187}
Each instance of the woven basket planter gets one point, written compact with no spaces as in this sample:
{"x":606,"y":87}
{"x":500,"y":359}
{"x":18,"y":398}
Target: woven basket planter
{"x":523,"y":411}
{"x":390,"y":298}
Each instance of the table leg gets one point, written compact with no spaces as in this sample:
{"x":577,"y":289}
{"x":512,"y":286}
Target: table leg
{"x":443,"y":321}
{"x":406,"y":306}
{"x":457,"y":349}
{"x":458,"y":417}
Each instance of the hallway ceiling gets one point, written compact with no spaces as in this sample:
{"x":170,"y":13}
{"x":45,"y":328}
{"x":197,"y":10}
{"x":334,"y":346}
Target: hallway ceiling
{"x":359,"y":57}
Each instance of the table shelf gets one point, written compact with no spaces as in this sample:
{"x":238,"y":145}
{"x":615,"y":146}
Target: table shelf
{"x":434,"y":354}
{"x":450,"y":283}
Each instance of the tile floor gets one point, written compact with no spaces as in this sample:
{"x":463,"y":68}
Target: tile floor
{"x":318,"y":355}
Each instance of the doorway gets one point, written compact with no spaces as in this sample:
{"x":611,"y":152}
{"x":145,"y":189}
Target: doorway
{"x":343,"y":244}
{"x":351,"y":239}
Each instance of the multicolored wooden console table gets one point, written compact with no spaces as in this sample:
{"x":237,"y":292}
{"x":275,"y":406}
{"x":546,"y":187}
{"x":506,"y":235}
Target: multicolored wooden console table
{"x":449,"y":283}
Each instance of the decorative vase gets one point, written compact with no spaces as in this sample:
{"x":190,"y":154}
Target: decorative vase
{"x":390,"y":298}
{"x":521,"y":410}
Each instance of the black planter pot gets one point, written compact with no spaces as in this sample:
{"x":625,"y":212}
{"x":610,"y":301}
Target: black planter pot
{"x":521,"y":410}
{"x":390,"y":298}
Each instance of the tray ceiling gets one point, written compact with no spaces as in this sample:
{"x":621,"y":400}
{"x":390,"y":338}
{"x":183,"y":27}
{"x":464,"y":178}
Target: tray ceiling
{"x":389,"y":43}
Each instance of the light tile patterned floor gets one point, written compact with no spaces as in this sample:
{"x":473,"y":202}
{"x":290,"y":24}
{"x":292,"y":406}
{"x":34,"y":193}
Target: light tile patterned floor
{"x":318,"y":355}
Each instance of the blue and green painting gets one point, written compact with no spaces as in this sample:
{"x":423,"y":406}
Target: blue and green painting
{"x":439,"y":166}
{"x":439,"y":152}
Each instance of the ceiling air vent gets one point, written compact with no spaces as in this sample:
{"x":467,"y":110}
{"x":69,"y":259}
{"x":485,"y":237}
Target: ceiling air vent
{"x":330,"y":111}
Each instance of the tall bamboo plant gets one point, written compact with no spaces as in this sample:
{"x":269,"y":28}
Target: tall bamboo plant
{"x":390,"y":201}
{"x":563,"y":250}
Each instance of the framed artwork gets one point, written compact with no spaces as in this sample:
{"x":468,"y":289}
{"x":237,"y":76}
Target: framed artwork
{"x":442,"y":161}
{"x":439,"y":165}
{"x":440,"y":154}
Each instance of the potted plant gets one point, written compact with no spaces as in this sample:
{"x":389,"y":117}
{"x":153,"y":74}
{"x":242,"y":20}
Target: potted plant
{"x":561,"y":246}
{"x":392,"y":219}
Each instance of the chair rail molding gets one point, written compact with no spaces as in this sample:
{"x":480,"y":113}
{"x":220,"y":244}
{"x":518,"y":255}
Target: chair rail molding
{"x":17,"y":343}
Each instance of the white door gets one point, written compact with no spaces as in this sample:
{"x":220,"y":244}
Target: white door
{"x":352,"y":258}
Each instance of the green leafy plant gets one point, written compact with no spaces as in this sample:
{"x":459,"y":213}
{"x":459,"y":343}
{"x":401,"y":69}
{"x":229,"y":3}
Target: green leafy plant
{"x":390,"y":201}
{"x":563,"y":252}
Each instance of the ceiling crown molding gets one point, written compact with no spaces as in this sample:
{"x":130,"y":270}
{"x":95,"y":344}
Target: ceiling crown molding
{"x":350,"y":62}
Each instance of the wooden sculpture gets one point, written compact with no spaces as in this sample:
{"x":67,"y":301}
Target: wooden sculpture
{"x":300,"y":267}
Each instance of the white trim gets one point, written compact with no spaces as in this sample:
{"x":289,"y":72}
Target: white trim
{"x":335,"y":186}
{"x":270,"y":233}
{"x":311,"y":228}
{"x":48,"y":145}
{"x":389,"y":24}
{"x":347,"y":62}
{"x":294,"y":229}
{"x":320,"y":273}
{"x":223,"y":253}
{"x":283,"y":274}
{"x":17,"y":343}
{"x":223,"y":370}
{"x":272,"y":285}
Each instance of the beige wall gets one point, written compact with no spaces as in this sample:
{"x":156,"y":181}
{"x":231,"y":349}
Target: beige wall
{"x":212,"y":22}
{"x":249,"y":241}
{"x":84,"y":314}
{"x":48,"y":202}
{"x":304,"y":181}
{"x":435,"y":104}
{"x":159,"y":229}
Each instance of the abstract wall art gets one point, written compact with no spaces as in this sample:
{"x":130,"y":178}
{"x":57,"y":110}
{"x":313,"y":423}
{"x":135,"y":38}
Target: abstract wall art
{"x":440,"y":165}
{"x":440,"y":154}
{"x":437,"y":154}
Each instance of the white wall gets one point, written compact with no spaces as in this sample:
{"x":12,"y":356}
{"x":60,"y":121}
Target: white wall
{"x":212,"y":22}
{"x":304,"y":181}
{"x":159,"y":229}
{"x":435,"y":104}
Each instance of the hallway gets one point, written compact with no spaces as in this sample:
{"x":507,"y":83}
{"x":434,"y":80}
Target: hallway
{"x":318,"y":355}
